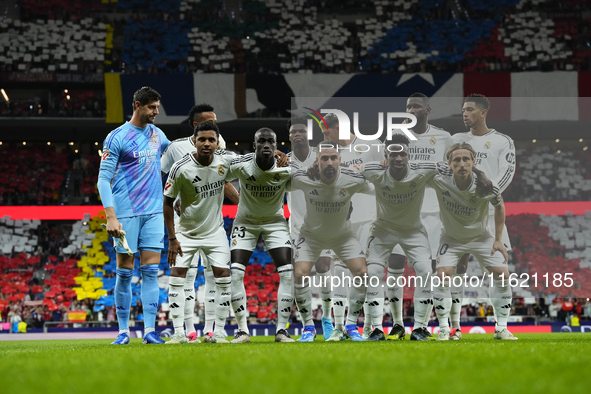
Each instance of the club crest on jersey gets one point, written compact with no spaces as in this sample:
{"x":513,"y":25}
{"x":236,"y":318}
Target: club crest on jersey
{"x":358,"y":150}
{"x":367,"y":253}
{"x":433,"y":141}
{"x":234,"y":242}
{"x":297,"y":254}
{"x":342,"y":192}
{"x":487,"y":145}
{"x":276,"y":178}
{"x":106,"y":154}
{"x":221,"y":171}
{"x":473,"y":199}
{"x":412,"y":185}
{"x":154,"y":140}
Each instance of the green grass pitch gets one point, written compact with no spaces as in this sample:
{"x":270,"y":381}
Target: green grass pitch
{"x":536,"y":363}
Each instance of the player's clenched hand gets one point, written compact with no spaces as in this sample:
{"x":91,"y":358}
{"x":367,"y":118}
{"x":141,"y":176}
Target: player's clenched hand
{"x":114,"y":228}
{"x":174,"y":248}
{"x":499,"y":247}
{"x":313,"y":172}
{"x":282,"y":159}
{"x":177,"y":207}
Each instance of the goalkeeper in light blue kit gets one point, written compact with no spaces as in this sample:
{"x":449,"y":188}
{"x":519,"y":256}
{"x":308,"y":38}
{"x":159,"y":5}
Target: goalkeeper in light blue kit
{"x":130,"y":186}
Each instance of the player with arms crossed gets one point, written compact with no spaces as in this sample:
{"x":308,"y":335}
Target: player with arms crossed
{"x":199,"y":179}
{"x":495,"y":155}
{"x":301,"y":157}
{"x":173,"y":153}
{"x":464,"y":216}
{"x":326,"y":226}
{"x":260,"y":212}
{"x":130,"y":187}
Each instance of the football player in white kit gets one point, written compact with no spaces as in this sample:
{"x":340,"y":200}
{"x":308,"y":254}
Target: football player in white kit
{"x":173,"y":153}
{"x":353,"y":152}
{"x":495,"y":155}
{"x":198,"y":179}
{"x":301,"y":157}
{"x":431,"y":145}
{"x":400,"y":188}
{"x":464,"y":217}
{"x":326,"y":226}
{"x":262,"y":188}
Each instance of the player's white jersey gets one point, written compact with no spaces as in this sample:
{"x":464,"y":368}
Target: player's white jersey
{"x":327,"y":206}
{"x":179,"y":148}
{"x":464,"y":215}
{"x":495,"y":155}
{"x":399,"y":202}
{"x":430,"y":146}
{"x":296,"y":200}
{"x":353,"y":155}
{"x":261,"y":192}
{"x":201,"y":190}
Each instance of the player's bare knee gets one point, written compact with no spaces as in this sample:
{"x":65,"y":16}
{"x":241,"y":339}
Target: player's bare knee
{"x":219,"y":272}
{"x":323,"y":264}
{"x":396,"y":261}
{"x":178,"y":272}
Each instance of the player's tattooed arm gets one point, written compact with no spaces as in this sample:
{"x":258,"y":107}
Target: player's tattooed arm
{"x":282,"y":159}
{"x":174,"y":247}
{"x":484,"y":186}
{"x":231,"y":193}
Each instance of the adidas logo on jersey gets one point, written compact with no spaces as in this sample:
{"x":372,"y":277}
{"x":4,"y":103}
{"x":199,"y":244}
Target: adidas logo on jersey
{"x":455,"y":301}
{"x":286,"y":310}
{"x":239,"y":309}
{"x":373,"y":303}
{"x":189,"y":298}
{"x":394,"y":300}
{"x":314,"y":192}
{"x":197,"y":179}
{"x":446,"y":193}
{"x":251,"y":178}
{"x":303,"y":310}
{"x":211,"y":300}
{"x":174,"y":305}
{"x":386,"y":188}
{"x":338,"y":303}
{"x":426,"y":302}
{"x":227,"y":303}
{"x":439,"y":307}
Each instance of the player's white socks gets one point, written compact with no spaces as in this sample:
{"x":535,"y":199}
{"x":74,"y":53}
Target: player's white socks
{"x":374,"y":305}
{"x":356,"y":301}
{"x":501,"y":297}
{"x":239,"y":297}
{"x":442,"y":302}
{"x":176,"y":300}
{"x":423,"y":298}
{"x":223,"y":293}
{"x":340,"y":294}
{"x":190,"y":300}
{"x":395,"y":294}
{"x":209,"y":300}
{"x":457,"y":296}
{"x":325,"y":293}
{"x":303,"y":298}
{"x":284,"y":295}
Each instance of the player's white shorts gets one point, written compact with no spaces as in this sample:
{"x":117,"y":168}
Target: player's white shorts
{"x":450,"y":251}
{"x":214,"y":247}
{"x":310,"y":247}
{"x":413,"y":243}
{"x":431,"y":223}
{"x":295,"y":235}
{"x":246,"y":234}
{"x":491,"y":229}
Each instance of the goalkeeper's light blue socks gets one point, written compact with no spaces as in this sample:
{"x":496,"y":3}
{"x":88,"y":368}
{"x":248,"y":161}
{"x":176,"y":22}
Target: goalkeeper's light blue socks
{"x":123,"y":297}
{"x":150,"y":294}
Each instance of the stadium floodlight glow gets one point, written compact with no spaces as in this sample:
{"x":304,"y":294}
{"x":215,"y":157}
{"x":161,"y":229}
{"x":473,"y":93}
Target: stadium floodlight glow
{"x":5,"y":95}
{"x":557,"y":140}
{"x":282,"y":143}
{"x":96,"y":143}
{"x":534,"y":141}
{"x":580,"y":140}
{"x":76,"y":151}
{"x":235,"y":143}
{"x":48,"y":143}
{"x":100,"y":152}
{"x":558,"y":151}
{"x":68,"y":97}
{"x":24,"y":143}
{"x":71,"y":143}
{"x":585,"y":148}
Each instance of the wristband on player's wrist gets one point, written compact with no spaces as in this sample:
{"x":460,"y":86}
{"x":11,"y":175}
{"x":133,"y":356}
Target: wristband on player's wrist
{"x":171,"y":239}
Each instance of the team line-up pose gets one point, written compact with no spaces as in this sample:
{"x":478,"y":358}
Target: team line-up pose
{"x":322,"y":225}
